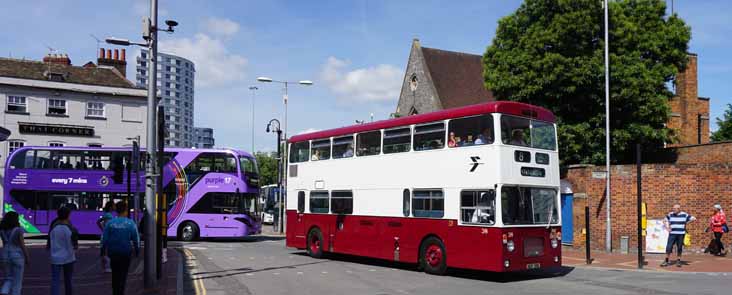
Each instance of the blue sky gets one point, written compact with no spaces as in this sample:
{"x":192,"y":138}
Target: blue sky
{"x":354,"y":51}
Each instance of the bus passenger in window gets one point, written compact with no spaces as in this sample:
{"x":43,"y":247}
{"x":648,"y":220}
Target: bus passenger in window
{"x":316,"y":156}
{"x":349,"y":151}
{"x":485,"y":137}
{"x":469,"y":141}
{"x":517,"y":137}
{"x":452,"y":141}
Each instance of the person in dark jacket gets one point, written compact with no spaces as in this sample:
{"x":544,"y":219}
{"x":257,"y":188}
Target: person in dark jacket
{"x":119,"y":239}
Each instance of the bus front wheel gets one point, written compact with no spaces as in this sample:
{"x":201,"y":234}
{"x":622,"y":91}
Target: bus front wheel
{"x":315,"y":243}
{"x":432,"y":257}
{"x":188,"y":231}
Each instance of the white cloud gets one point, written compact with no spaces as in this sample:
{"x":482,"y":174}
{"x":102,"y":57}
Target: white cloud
{"x":379,"y":83}
{"x":215,"y":65}
{"x":306,"y":131}
{"x":221,"y":27}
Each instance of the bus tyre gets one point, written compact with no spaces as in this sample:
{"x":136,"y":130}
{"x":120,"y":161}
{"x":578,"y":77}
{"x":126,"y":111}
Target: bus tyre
{"x":315,"y":243}
{"x":188,"y":231}
{"x":433,"y":258}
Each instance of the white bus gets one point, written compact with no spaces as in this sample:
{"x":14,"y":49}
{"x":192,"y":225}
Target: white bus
{"x":474,"y":187}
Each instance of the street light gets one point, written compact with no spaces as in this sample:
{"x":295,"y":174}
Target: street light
{"x":254,"y":96}
{"x":274,"y":126}
{"x":150,"y":35}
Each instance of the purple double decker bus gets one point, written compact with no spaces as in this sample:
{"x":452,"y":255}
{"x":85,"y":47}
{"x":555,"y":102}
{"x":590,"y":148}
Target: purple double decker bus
{"x":210,"y":192}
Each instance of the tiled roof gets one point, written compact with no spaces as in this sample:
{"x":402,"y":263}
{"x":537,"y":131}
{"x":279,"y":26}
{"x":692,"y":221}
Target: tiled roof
{"x":36,"y":70}
{"x":457,"y":76}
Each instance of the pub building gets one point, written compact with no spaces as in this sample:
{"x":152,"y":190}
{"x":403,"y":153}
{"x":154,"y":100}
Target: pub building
{"x":54,"y":103}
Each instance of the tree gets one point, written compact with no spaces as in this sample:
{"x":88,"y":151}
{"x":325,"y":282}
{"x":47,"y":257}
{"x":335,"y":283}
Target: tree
{"x":267,"y":163}
{"x":550,"y":53}
{"x":724,"y":132}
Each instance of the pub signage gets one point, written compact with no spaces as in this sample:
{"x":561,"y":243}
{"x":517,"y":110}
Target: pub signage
{"x":51,"y":129}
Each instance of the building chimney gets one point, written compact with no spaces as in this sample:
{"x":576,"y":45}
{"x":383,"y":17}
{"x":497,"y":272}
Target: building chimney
{"x":113,"y":61}
{"x":57,"y":59}
{"x":124,"y":55}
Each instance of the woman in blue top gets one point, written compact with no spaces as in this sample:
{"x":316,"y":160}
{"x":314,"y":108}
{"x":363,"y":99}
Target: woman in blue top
{"x":120,"y":237}
{"x":14,"y":254}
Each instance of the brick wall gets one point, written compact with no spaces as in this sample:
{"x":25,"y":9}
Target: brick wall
{"x":697,"y":187}
{"x":705,"y":153}
{"x":689,"y":112}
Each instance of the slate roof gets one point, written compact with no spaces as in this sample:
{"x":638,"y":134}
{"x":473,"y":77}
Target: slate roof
{"x":457,"y":76}
{"x":36,"y":70}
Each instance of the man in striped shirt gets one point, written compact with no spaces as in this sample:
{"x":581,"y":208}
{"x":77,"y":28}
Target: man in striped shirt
{"x":675,"y":223}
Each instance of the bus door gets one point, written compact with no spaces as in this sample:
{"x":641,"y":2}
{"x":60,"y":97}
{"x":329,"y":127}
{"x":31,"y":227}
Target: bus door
{"x":296,"y":224}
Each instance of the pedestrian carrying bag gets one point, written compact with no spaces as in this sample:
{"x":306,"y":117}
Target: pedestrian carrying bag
{"x":687,"y":240}
{"x":725,"y":228}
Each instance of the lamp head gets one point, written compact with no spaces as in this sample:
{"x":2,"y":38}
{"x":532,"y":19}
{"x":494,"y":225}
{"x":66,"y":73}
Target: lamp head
{"x":117,"y":41}
{"x":306,"y":82}
{"x":171,"y":24}
{"x":264,"y":79}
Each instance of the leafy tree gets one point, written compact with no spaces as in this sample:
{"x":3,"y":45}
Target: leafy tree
{"x":725,"y":126}
{"x":267,"y":167}
{"x":550,"y":53}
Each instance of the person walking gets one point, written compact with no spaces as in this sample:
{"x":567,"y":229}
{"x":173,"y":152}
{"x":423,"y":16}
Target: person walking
{"x":717,"y":224}
{"x":62,"y":246}
{"x":119,"y":238}
{"x":14,"y":254}
{"x":675,"y":223}
{"x":106,"y":217}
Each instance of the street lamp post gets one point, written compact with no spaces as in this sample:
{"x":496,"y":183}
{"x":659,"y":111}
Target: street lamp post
{"x":274,"y":126}
{"x":254,"y":96}
{"x":284,"y":98}
{"x":608,"y":226}
{"x":150,"y":35}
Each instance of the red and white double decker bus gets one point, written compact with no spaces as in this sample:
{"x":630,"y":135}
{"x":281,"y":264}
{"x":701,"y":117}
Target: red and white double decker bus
{"x":474,"y":187}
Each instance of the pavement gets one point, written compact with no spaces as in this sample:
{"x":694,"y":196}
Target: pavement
{"x":263,"y":265}
{"x":692,"y":262}
{"x":88,"y":275}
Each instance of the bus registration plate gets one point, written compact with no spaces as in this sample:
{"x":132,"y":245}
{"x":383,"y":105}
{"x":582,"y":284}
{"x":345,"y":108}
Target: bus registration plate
{"x":533,"y":265}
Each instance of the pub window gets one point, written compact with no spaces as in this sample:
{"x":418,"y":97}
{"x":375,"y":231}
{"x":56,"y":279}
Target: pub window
{"x":95,"y":109}
{"x":320,"y":150}
{"x":299,"y":152}
{"x":341,"y":202}
{"x":56,"y":107}
{"x":469,"y":131}
{"x":406,"y":196}
{"x":319,"y":202}
{"x":428,"y":203}
{"x":343,"y":147}
{"x":14,"y":145}
{"x":17,"y":104}
{"x":429,"y":136}
{"x":56,"y":144}
{"x":397,"y":140}
{"x":300,"y":202}
{"x":368,"y":143}
{"x":478,"y":206}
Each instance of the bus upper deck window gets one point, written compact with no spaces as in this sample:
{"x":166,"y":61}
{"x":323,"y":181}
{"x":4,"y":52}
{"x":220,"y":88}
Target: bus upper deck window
{"x":299,"y":152}
{"x":429,"y":136}
{"x":343,"y":147}
{"x":320,"y":150}
{"x":368,"y":143}
{"x":469,"y":131}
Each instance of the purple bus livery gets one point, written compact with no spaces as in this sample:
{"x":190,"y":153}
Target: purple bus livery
{"x":209,"y":192}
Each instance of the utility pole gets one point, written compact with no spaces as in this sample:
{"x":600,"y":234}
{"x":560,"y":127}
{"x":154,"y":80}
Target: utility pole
{"x":608,"y":229}
{"x":151,"y":31}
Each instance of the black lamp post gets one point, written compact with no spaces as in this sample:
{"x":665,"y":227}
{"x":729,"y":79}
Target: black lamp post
{"x":274,"y":126}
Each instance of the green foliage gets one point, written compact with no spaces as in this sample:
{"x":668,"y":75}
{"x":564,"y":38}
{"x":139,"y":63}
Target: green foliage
{"x":267,"y":167}
{"x":550,"y":53}
{"x":724,"y":132}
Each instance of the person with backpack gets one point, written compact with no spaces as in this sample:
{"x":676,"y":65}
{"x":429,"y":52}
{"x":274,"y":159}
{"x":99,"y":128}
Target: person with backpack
{"x":62,"y":244}
{"x":119,"y":238}
{"x":718,"y":225}
{"x":106,"y":217}
{"x":14,"y":253}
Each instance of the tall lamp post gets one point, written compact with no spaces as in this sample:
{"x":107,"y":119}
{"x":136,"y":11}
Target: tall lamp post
{"x":274,"y":126}
{"x":608,"y":226}
{"x":284,"y":98}
{"x":150,"y":35}
{"x":254,"y":96}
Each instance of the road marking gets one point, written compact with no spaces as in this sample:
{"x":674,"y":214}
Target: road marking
{"x":249,"y":274}
{"x":324,"y":272}
{"x":198,"y":285}
{"x":276,"y":273}
{"x":299,"y":273}
{"x":372,"y":269}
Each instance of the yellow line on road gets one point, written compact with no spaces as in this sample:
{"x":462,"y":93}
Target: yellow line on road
{"x":198,"y":285}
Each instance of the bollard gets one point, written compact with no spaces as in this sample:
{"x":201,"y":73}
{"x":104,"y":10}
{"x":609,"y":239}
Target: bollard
{"x":587,"y":235}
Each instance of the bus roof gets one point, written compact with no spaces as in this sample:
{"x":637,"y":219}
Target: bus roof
{"x":73,"y":148}
{"x":503,"y":107}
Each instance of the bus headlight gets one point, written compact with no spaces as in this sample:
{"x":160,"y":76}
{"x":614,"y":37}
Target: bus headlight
{"x":555,"y":243}
{"x":510,"y":246}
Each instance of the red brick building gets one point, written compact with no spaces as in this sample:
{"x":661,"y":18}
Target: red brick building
{"x":689,"y":111}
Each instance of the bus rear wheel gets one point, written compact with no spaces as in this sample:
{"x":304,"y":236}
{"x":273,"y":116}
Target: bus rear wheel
{"x":188,"y":231}
{"x":315,"y":243}
{"x":432,"y":257}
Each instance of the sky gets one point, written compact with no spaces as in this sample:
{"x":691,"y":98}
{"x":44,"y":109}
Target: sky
{"x":355,"y":52}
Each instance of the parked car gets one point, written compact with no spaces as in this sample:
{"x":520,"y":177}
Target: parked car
{"x":268,"y":216}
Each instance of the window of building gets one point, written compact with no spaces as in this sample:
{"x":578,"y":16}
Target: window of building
{"x":95,"y":109}
{"x":56,"y":107}
{"x":167,"y":93}
{"x":368,"y":143}
{"x":478,"y":206}
{"x":143,"y":64}
{"x":320,"y":150}
{"x":469,"y":131}
{"x":318,"y":202}
{"x":406,"y":196}
{"x":341,"y":202}
{"x":429,"y":136}
{"x":343,"y":147}
{"x":397,"y":140}
{"x":56,"y":144}
{"x":14,"y":145}
{"x":299,"y":152}
{"x":428,"y":203}
{"x":17,"y":104}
